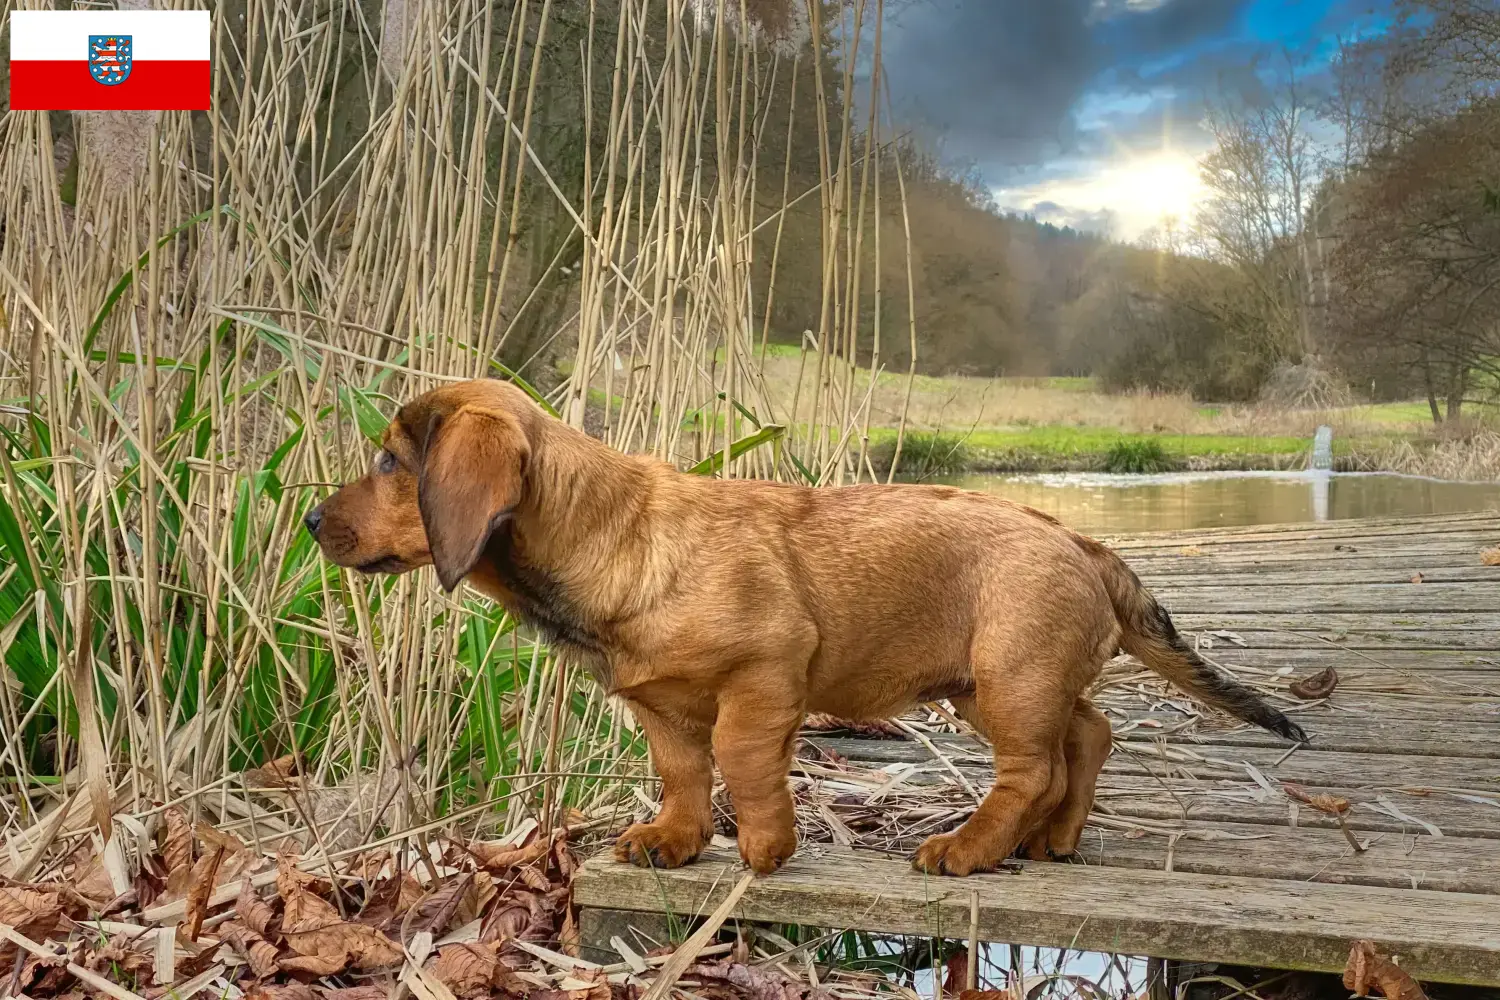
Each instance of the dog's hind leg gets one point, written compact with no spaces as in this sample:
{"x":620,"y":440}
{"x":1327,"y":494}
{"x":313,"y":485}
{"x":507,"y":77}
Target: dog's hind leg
{"x":1024,"y":694}
{"x":681,"y":753}
{"x":1086,"y":746}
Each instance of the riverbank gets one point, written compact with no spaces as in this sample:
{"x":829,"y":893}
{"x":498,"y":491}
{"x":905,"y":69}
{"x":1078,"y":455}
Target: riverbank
{"x":925,"y":454}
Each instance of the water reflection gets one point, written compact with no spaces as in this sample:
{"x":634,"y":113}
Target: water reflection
{"x":1104,"y":504}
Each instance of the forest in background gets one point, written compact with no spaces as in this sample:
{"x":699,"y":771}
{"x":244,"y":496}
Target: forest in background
{"x":1348,"y":248}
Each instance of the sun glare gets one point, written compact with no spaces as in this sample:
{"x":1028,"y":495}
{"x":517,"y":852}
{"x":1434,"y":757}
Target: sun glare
{"x":1150,"y":189}
{"x":1136,"y":192}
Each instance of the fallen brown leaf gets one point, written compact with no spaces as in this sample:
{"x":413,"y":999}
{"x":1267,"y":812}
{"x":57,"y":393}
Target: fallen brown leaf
{"x":1490,"y":557}
{"x":353,"y":992}
{"x":434,"y":911}
{"x":1319,"y":685}
{"x":90,"y":879}
{"x":567,"y":936}
{"x":34,"y":913}
{"x":478,"y":897}
{"x":469,"y":970}
{"x":291,"y":991}
{"x":506,"y":923}
{"x":201,"y":886}
{"x":290,"y":879}
{"x":390,"y":901}
{"x":213,"y":838}
{"x":316,"y":965}
{"x":500,"y":856}
{"x":534,"y":878}
{"x":1368,"y":969}
{"x":177,"y":842}
{"x":254,"y":912}
{"x":324,"y":941}
{"x":259,"y":953}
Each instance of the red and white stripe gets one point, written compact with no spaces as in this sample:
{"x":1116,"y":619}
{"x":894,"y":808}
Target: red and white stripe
{"x":49,"y":60}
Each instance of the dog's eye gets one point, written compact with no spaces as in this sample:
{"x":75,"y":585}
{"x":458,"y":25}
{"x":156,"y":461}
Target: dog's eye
{"x":385,"y":463}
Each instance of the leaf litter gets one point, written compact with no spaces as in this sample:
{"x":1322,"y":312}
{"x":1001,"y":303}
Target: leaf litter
{"x":483,"y":919}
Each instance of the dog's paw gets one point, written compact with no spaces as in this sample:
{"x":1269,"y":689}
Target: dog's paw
{"x":659,"y":845}
{"x":952,"y":854}
{"x":766,"y":850}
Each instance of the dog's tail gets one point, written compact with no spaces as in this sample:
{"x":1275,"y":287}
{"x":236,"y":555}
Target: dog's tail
{"x":1147,"y":633}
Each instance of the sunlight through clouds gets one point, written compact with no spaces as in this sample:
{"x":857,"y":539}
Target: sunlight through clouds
{"x":1135,"y":193}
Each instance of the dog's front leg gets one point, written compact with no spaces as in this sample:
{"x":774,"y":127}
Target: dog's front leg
{"x":759,"y":717}
{"x":681,"y":753}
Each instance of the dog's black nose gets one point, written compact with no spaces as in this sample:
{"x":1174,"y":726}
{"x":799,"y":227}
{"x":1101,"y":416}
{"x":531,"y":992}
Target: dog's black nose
{"x":314,"y":520}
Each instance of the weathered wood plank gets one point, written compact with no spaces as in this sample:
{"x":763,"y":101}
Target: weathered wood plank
{"x":1372,"y":734}
{"x":1311,"y":654}
{"x":1395,"y":860}
{"x":1171,"y":800}
{"x":1390,"y":524}
{"x":1307,"y":766}
{"x":1484,"y":626}
{"x":1398,"y":573}
{"x":1440,"y":936}
{"x":1367,"y":598}
{"x":1374,"y":532}
{"x":1260,"y":636}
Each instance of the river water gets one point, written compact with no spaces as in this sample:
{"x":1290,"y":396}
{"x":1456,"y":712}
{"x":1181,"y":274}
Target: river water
{"x":1096,"y":503}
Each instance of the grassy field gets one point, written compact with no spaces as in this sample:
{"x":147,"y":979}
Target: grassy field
{"x":1065,"y":424}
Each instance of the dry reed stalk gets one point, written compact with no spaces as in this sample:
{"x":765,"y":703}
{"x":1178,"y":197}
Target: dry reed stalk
{"x":307,"y":264}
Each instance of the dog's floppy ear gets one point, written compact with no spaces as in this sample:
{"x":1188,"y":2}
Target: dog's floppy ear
{"x":473,"y":464}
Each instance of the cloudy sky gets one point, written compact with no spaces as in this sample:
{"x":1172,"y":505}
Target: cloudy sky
{"x":1088,"y":111}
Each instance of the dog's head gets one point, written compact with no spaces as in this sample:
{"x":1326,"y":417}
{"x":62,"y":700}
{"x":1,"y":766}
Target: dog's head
{"x":450,"y":471}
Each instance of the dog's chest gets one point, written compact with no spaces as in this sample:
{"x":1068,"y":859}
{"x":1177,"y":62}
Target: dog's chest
{"x":541,"y":602}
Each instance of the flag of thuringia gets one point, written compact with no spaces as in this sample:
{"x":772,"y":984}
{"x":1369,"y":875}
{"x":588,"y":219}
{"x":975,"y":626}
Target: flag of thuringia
{"x":97,"y":60}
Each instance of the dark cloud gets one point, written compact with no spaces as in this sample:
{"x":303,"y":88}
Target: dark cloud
{"x":1001,"y":83}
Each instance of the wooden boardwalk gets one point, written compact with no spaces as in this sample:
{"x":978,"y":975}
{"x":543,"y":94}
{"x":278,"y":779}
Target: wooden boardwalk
{"x":1196,"y":850}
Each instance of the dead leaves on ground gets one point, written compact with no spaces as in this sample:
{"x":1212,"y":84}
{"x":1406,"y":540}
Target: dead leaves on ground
{"x":287,"y":925}
{"x":1368,"y":969}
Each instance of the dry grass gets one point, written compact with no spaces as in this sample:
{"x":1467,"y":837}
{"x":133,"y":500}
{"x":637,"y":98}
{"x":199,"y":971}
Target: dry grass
{"x":194,"y":351}
{"x":1474,"y":457}
{"x":958,"y":402}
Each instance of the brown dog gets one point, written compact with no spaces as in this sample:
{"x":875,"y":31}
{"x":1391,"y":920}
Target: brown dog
{"x":725,"y":610}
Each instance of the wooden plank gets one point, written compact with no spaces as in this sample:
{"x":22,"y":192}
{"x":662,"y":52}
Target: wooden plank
{"x":1331,"y":532}
{"x":1398,"y":574}
{"x":1440,"y":936}
{"x":1260,"y":635}
{"x":1310,"y":655}
{"x":1391,"y":524}
{"x":1307,"y":766}
{"x":1395,"y":860}
{"x":1371,"y":734}
{"x":1368,"y":598}
{"x":1154,"y":570}
{"x":1485,"y":626}
{"x":1172,"y":800}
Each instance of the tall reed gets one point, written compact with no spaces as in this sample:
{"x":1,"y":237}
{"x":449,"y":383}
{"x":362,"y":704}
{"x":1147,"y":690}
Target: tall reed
{"x":207,"y":317}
